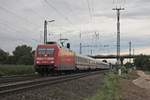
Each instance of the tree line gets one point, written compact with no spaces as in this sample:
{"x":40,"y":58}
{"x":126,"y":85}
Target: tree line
{"x":25,"y":55}
{"x":21,"y":55}
{"x":142,"y":62}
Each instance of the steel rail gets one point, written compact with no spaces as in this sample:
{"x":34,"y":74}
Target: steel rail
{"x":14,"y":78}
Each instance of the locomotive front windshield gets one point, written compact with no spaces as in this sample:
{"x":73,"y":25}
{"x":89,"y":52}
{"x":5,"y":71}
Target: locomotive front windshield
{"x":46,"y":51}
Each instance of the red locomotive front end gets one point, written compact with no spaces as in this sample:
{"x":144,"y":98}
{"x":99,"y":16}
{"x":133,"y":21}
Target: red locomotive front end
{"x":50,"y":58}
{"x":45,"y":58}
{"x":45,"y":55}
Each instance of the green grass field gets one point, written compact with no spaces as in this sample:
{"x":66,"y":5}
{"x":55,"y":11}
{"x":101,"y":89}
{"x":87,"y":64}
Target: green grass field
{"x":6,"y":70}
{"x":110,"y":89}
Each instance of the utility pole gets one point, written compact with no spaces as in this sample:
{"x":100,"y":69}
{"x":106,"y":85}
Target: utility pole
{"x":91,"y":51}
{"x":80,"y":45}
{"x":45,"y":30}
{"x":80,"y":48}
{"x":130,"y":51}
{"x":118,"y":34}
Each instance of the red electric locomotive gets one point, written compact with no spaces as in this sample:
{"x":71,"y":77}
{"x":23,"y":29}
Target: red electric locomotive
{"x":52,"y":58}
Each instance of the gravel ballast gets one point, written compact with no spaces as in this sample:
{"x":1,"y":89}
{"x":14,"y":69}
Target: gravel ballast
{"x":78,"y":89}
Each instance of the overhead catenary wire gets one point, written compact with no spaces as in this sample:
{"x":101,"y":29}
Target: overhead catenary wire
{"x":13,"y":28}
{"x":67,"y":6}
{"x":89,"y":8}
{"x":119,"y":3}
{"x":58,"y":12}
{"x":92,"y":7}
{"x":9,"y":30}
{"x":23,"y":19}
{"x":18,"y":16}
{"x":18,"y":29}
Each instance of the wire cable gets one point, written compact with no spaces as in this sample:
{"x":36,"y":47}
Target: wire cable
{"x":89,"y":8}
{"x":58,"y":12}
{"x":13,"y":13}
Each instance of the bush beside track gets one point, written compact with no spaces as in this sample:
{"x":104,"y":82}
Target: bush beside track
{"x":7,"y":70}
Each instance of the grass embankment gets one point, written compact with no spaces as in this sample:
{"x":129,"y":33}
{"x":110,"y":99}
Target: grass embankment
{"x":110,"y":90}
{"x":6,"y":70}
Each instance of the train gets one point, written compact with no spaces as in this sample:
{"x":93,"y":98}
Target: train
{"x":53,"y":58}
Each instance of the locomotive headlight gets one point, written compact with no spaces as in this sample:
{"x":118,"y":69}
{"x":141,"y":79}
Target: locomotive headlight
{"x":51,"y":58}
{"x":37,"y":62}
{"x":38,"y":58}
{"x":52,"y":61}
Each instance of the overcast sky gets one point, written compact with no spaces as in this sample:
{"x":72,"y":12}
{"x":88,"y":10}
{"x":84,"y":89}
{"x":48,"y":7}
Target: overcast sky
{"x":21,"y":22}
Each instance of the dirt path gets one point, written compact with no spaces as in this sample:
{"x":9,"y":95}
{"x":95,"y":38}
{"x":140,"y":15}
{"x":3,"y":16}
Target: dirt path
{"x":143,"y":81}
{"x":136,"y":87}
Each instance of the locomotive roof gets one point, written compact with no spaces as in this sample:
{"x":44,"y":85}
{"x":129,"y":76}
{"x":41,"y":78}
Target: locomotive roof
{"x":87,"y":57}
{"x":48,"y":45}
{"x":79,"y":55}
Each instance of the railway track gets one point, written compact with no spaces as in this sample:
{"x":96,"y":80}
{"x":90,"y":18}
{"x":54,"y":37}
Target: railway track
{"x":16,"y":78}
{"x":28,"y":84}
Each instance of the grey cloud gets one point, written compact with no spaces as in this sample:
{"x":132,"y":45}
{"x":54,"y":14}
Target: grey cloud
{"x":22,"y":20}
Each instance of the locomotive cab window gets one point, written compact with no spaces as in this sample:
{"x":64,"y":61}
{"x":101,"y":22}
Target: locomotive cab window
{"x":48,"y":51}
{"x":41,"y":51}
